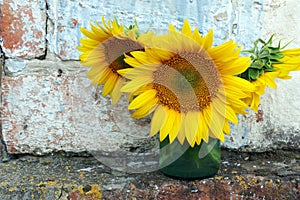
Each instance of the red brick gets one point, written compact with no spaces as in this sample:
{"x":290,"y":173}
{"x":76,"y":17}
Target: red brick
{"x":45,"y":113}
{"x":23,"y":27}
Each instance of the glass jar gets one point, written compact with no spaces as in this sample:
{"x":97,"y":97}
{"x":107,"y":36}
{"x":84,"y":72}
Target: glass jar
{"x":183,"y":161}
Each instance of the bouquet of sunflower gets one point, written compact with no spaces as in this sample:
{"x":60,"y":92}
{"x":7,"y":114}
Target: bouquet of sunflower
{"x":192,"y":89}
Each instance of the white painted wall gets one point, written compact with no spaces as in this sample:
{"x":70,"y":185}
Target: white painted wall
{"x":42,"y":112}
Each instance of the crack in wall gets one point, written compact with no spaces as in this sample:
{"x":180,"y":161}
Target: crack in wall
{"x":50,"y":26}
{"x":44,"y":56}
{"x":3,"y":149}
{"x":4,"y":72}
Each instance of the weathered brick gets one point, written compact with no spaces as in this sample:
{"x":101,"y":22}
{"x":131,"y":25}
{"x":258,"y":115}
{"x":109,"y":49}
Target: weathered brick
{"x":34,"y":102}
{"x":65,"y":18}
{"x":23,"y":28}
{"x":44,"y":113}
{"x":282,"y":18}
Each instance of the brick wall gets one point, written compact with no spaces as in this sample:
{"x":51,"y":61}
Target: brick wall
{"x":48,"y":103}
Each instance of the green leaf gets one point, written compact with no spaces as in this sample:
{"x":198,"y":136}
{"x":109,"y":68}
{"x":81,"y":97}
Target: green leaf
{"x":245,"y":75}
{"x":258,"y":64}
{"x":276,"y":56}
{"x":269,"y":65}
{"x":264,"y":54}
{"x":261,"y":71}
{"x":254,"y":73}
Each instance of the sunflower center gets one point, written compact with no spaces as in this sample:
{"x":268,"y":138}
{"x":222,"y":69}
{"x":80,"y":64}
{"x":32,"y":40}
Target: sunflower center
{"x":187,"y":82}
{"x":115,"y":48}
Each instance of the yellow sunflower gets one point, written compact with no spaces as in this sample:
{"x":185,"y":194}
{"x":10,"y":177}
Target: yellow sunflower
{"x":189,"y":85}
{"x":103,"y":50}
{"x":264,"y":80}
{"x":269,"y":63}
{"x":290,"y":61}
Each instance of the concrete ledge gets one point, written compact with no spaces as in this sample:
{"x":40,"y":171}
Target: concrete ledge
{"x":269,"y":175}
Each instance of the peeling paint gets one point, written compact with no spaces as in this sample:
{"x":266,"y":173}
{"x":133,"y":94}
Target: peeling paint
{"x":57,"y":121}
{"x":67,"y":16}
{"x":23,"y":27}
{"x":49,"y":105}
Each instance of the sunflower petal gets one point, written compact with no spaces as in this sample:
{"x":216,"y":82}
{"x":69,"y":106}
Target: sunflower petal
{"x":164,"y":131}
{"x":191,"y":126}
{"x":158,"y":120}
{"x":181,"y":133}
{"x":142,"y":99}
{"x":176,"y":126}
{"x":116,"y":93}
{"x":109,"y":85}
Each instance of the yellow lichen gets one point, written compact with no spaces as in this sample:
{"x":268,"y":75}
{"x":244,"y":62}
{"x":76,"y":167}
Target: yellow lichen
{"x":68,"y":168}
{"x":95,"y":192}
{"x":218,"y":178}
{"x":47,"y":161}
{"x":47,"y":183}
{"x":270,"y":181}
{"x":80,"y":189}
{"x":278,"y":180}
{"x":12,"y":189}
{"x":3,"y":183}
{"x":242,"y":181}
{"x":31,"y":179}
{"x":81,"y":174}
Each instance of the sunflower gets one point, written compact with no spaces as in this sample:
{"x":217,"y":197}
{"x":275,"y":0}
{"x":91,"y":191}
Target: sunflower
{"x":103,"y":50}
{"x":264,"y":80}
{"x":190,"y":86}
{"x":290,"y":61}
{"x":268,"y":63}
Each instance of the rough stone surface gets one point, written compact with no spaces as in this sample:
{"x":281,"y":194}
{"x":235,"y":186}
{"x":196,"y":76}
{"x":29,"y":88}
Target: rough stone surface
{"x":227,"y":18}
{"x":277,"y":125}
{"x":44,"y":113}
{"x":281,"y":17}
{"x":49,"y":108}
{"x":49,"y":105}
{"x":23,"y":28}
{"x":270,"y":175}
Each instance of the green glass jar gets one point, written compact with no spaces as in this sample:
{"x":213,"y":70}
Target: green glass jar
{"x":182,"y":161}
